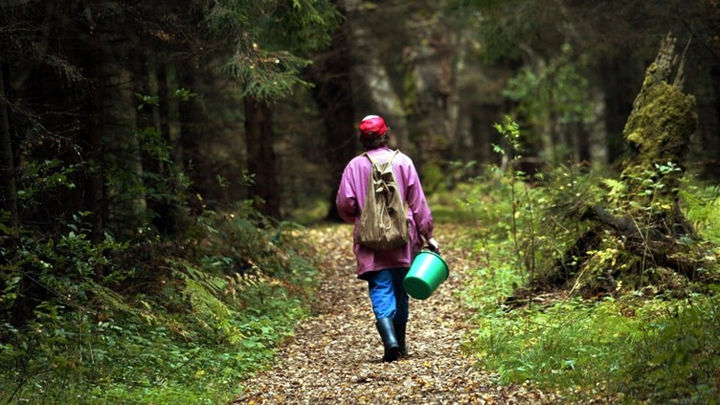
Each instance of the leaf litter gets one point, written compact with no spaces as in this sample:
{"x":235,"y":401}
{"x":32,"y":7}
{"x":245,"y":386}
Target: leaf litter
{"x":335,"y":356}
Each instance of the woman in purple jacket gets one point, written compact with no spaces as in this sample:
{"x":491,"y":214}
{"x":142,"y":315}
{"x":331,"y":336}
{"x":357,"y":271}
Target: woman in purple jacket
{"x":385,"y":270}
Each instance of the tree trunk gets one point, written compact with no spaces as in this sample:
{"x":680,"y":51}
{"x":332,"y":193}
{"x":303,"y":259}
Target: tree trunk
{"x":165,"y":208}
{"x":619,"y":90}
{"x":331,"y":73}
{"x":483,"y":134}
{"x":127,"y":197}
{"x":433,"y":99}
{"x":7,"y":163}
{"x":148,"y":129}
{"x":581,"y":143}
{"x":375,"y":78}
{"x":164,"y":102}
{"x":712,"y":141}
{"x":658,"y":133}
{"x":261,"y":156}
{"x":457,"y":59}
{"x":663,"y":249}
{"x":192,"y":124}
{"x":93,"y":141}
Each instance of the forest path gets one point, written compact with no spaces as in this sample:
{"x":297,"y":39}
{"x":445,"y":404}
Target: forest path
{"x":335,"y":356}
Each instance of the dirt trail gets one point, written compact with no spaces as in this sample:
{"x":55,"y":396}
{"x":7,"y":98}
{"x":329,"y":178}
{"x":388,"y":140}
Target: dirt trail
{"x":335,"y":356}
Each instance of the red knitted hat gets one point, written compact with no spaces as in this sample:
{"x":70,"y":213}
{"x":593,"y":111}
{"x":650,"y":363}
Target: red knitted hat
{"x":372,"y":126}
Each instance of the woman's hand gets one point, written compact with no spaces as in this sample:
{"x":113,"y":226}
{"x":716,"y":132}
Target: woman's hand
{"x":433,"y":245}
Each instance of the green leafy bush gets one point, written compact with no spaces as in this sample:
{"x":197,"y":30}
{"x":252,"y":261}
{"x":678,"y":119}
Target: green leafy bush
{"x":702,"y":208}
{"x":640,"y":345}
{"x":180,"y":323}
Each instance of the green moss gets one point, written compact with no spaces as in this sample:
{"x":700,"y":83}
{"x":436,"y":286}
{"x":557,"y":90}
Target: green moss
{"x":657,"y":134}
{"x":658,"y":129}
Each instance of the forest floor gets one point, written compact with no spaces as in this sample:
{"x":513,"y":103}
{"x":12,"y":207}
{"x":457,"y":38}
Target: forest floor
{"x":335,"y":356}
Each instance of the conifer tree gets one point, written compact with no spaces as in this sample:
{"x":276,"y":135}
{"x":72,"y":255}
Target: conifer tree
{"x":270,"y":42}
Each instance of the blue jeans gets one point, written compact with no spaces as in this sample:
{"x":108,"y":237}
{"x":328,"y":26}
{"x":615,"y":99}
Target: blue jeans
{"x":387,"y":294}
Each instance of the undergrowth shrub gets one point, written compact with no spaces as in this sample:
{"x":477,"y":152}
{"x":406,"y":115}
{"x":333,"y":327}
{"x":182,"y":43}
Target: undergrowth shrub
{"x":633,"y":343}
{"x":171,"y":322}
{"x":596,"y":323}
{"x":701,"y":205}
{"x":657,"y":350}
{"x":678,"y":359}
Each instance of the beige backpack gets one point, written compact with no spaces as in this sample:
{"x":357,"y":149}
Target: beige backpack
{"x":383,"y":220}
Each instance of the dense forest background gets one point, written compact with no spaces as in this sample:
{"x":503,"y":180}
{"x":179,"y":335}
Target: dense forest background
{"x":162,"y":105}
{"x":142,"y":140}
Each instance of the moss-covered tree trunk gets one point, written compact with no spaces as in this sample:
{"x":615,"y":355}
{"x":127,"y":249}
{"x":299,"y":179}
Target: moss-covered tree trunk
{"x":657,"y":134}
{"x":646,"y":232}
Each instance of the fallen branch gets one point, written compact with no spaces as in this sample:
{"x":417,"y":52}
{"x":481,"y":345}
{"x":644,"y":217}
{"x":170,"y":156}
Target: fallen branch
{"x":663,"y":250}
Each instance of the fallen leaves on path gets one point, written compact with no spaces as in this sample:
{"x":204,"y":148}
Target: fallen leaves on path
{"x":335,"y":356}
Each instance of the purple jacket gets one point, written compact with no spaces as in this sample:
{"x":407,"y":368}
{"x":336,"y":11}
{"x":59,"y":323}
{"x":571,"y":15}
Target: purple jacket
{"x":351,"y":198}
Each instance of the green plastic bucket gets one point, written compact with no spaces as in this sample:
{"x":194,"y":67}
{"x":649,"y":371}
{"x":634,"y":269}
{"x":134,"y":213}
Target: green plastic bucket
{"x":427,"y":272}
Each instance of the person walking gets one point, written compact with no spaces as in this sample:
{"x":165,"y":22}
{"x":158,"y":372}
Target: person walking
{"x":384,"y":270}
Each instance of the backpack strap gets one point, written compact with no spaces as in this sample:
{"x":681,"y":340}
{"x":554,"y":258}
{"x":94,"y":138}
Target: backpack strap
{"x":393,"y":155}
{"x":374,"y":163}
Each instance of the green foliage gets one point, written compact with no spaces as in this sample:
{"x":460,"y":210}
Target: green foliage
{"x":701,"y":205}
{"x":558,"y":345}
{"x":62,"y":267}
{"x":270,"y":41}
{"x":677,"y":359}
{"x":43,"y":176}
{"x":510,"y":131}
{"x":450,"y":206}
{"x":433,"y":177}
{"x":267,"y":75}
{"x":642,"y":345}
{"x":310,"y":211}
{"x":655,"y":350}
{"x":145,"y":188}
{"x":499,"y":30}
{"x":543,"y":217}
{"x":556,"y":94}
{"x":166,"y":328}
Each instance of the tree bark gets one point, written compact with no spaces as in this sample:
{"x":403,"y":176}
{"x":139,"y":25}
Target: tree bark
{"x":261,"y":156}
{"x":483,"y":134}
{"x":581,"y":143}
{"x":7,"y":163}
{"x":431,"y":119}
{"x":148,"y":126}
{"x":713,"y":144}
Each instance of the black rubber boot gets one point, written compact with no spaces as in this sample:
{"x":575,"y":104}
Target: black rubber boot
{"x":390,"y":343}
{"x":400,"y":334}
